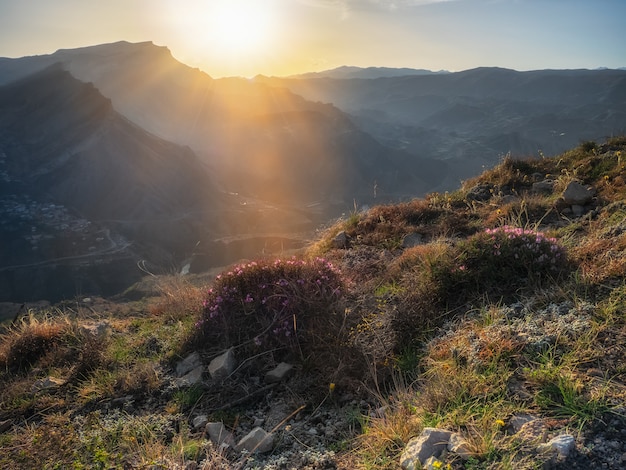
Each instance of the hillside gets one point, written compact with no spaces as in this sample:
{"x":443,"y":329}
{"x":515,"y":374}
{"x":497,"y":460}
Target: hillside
{"x":490,"y":318}
{"x":471,"y":118}
{"x":86,"y":193}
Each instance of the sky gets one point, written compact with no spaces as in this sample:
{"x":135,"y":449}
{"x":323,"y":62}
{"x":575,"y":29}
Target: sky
{"x":284,"y":37}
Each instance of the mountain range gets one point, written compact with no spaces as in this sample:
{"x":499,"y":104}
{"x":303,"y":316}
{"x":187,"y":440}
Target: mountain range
{"x":118,"y":155}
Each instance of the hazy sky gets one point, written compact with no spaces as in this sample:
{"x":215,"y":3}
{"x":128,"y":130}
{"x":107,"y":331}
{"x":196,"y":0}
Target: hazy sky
{"x":281,"y":37}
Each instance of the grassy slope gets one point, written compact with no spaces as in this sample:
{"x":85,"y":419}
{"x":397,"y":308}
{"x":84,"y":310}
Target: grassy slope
{"x":441,"y":333}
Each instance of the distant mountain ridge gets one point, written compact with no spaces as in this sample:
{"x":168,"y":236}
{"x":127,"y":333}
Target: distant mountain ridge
{"x":348,"y":72}
{"x":471,"y":118}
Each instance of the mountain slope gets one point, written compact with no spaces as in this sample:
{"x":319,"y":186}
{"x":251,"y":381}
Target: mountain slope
{"x":262,"y":141}
{"x":81,"y":182}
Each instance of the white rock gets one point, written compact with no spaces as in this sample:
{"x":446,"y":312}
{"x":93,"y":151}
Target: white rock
{"x":199,"y":421}
{"x":189,"y":363}
{"x":257,"y":440}
{"x":191,"y":378}
{"x":222,"y":366}
{"x":219,"y":435}
{"x":562,"y":445}
{"x":278,"y":373}
{"x":459,"y":446}
{"x":431,"y":443}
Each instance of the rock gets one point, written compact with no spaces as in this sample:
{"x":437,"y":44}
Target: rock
{"x":431,"y":443}
{"x":562,"y":445}
{"x":533,"y":431}
{"x":411,"y":240}
{"x":258,"y":422}
{"x":577,"y":194}
{"x":5,"y":425}
{"x":46,"y":384}
{"x":222,"y":366}
{"x":189,"y":363}
{"x":219,"y":435}
{"x":190,"y":378}
{"x":578,"y":210}
{"x":257,"y":440}
{"x":97,"y":330}
{"x":278,"y":373}
{"x":518,"y":421}
{"x":199,"y":422}
{"x":459,"y":446}
{"x":543,"y":187}
{"x":341,"y":240}
{"x":481,"y":193}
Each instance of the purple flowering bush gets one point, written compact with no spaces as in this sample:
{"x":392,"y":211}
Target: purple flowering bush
{"x":264,"y":305}
{"x":504,"y":260}
{"x":500,"y":264}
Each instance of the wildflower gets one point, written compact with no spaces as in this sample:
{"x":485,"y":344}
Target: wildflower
{"x":499,"y":423}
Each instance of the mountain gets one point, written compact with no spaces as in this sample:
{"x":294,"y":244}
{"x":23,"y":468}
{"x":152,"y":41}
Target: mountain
{"x":348,"y":72}
{"x":261,"y":141}
{"x":471,"y":118}
{"x":83,"y":187}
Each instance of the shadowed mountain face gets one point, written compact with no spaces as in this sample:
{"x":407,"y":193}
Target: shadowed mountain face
{"x":62,"y":139}
{"x":83,"y":186}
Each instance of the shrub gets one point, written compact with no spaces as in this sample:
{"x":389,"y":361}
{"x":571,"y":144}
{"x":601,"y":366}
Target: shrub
{"x":502,"y":261}
{"x":264,"y":305}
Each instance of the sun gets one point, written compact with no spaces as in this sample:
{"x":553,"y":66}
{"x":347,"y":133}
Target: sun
{"x":239,"y":27}
{"x":227,"y":37}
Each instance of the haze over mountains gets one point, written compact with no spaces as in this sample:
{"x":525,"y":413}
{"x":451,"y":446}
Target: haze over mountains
{"x":118,"y":153}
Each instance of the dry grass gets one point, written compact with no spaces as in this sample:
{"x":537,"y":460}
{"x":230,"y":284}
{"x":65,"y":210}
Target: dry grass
{"x":31,"y":339}
{"x":179,"y":299}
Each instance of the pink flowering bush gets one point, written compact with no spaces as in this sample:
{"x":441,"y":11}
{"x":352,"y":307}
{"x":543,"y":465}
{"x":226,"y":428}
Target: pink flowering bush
{"x":264,"y":305}
{"x":504,"y":260}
